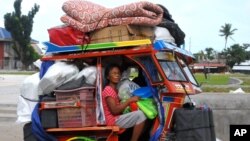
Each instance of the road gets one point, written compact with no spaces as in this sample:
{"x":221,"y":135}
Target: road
{"x":9,"y":92}
{"x":10,"y":87}
{"x":222,"y":105}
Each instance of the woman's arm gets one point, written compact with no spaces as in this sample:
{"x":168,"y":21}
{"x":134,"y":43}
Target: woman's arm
{"x":117,"y":109}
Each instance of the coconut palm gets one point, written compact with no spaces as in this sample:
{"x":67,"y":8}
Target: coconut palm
{"x":227,"y":31}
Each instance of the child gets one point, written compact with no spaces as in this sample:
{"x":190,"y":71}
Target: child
{"x":113,"y":108}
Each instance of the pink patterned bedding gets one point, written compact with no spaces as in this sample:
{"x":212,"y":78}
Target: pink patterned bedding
{"x":87,"y":16}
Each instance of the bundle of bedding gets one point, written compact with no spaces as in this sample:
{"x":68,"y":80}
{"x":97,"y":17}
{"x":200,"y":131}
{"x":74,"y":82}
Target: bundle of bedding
{"x":87,"y":16}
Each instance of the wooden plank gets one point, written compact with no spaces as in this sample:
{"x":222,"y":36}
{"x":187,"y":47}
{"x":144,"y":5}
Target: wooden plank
{"x":137,"y":50}
{"x":96,"y":128}
{"x":53,"y":48}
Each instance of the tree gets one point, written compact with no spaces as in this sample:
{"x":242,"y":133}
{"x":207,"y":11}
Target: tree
{"x":227,"y":31}
{"x":210,"y":53}
{"x":235,"y":55}
{"x":20,"y":27}
{"x":247,"y":52}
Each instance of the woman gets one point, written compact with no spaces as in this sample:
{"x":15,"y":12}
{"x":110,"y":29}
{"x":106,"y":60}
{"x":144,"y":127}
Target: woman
{"x":113,"y":108}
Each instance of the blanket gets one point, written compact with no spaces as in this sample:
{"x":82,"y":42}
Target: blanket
{"x":87,"y":16}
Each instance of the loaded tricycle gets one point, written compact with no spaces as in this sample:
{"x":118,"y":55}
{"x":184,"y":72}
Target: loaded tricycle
{"x":72,"y":77}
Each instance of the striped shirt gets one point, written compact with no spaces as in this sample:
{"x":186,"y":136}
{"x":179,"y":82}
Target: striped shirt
{"x":109,"y":92}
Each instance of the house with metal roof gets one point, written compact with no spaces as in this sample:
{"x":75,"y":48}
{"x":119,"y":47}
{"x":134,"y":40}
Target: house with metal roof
{"x":243,"y":67}
{"x":210,"y":67}
{"x":8,"y":57}
{"x":5,"y":35}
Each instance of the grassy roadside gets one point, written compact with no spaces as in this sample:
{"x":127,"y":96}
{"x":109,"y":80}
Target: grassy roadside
{"x":219,"y":82}
{"x":17,"y":72}
{"x":212,"y":79}
{"x":246,"y":80}
{"x":213,"y":83}
{"x":223,"y":89}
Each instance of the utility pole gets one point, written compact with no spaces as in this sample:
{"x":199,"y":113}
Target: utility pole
{"x":189,"y":44}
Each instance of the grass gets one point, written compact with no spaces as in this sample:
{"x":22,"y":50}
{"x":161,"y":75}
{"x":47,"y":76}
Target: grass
{"x":212,"y":79}
{"x":217,"y":82}
{"x":223,"y":89}
{"x":17,"y":72}
{"x":246,"y":80}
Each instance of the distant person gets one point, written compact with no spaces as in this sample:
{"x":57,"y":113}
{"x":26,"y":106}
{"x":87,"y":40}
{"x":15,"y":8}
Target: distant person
{"x":113,"y":108}
{"x":205,"y":72}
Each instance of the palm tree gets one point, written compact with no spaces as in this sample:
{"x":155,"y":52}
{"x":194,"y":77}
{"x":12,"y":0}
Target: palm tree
{"x":227,"y":32}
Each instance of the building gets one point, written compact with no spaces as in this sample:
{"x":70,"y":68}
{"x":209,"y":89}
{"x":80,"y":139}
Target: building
{"x":204,"y":65}
{"x":243,"y":67}
{"x":8,"y":58}
{"x":209,"y":67}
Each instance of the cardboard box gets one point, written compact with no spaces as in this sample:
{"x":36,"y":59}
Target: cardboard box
{"x":121,"y":33}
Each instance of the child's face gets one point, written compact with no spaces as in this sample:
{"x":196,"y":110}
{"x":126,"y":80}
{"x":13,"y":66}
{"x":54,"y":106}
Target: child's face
{"x":114,"y":75}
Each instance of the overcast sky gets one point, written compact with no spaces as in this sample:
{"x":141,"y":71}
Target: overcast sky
{"x":199,"y":19}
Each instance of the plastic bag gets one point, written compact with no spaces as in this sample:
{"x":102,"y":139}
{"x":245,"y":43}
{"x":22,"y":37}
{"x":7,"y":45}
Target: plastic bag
{"x":28,"y":99}
{"x":125,"y":89}
{"x":126,"y":86}
{"x":66,"y":35}
{"x":58,"y":74}
{"x":89,"y":73}
{"x":148,"y":107}
{"x":29,"y":87}
{"x":143,"y":92}
{"x":162,"y":33}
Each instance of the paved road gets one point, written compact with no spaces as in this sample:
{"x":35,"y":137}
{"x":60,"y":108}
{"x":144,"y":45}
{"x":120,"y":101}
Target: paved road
{"x":9,"y":92}
{"x":10,"y":87}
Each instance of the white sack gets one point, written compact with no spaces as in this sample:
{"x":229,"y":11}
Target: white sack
{"x":29,"y":87}
{"x":89,"y":73}
{"x":162,"y":33}
{"x":27,"y":100}
{"x":24,"y":110}
{"x":58,"y":74}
